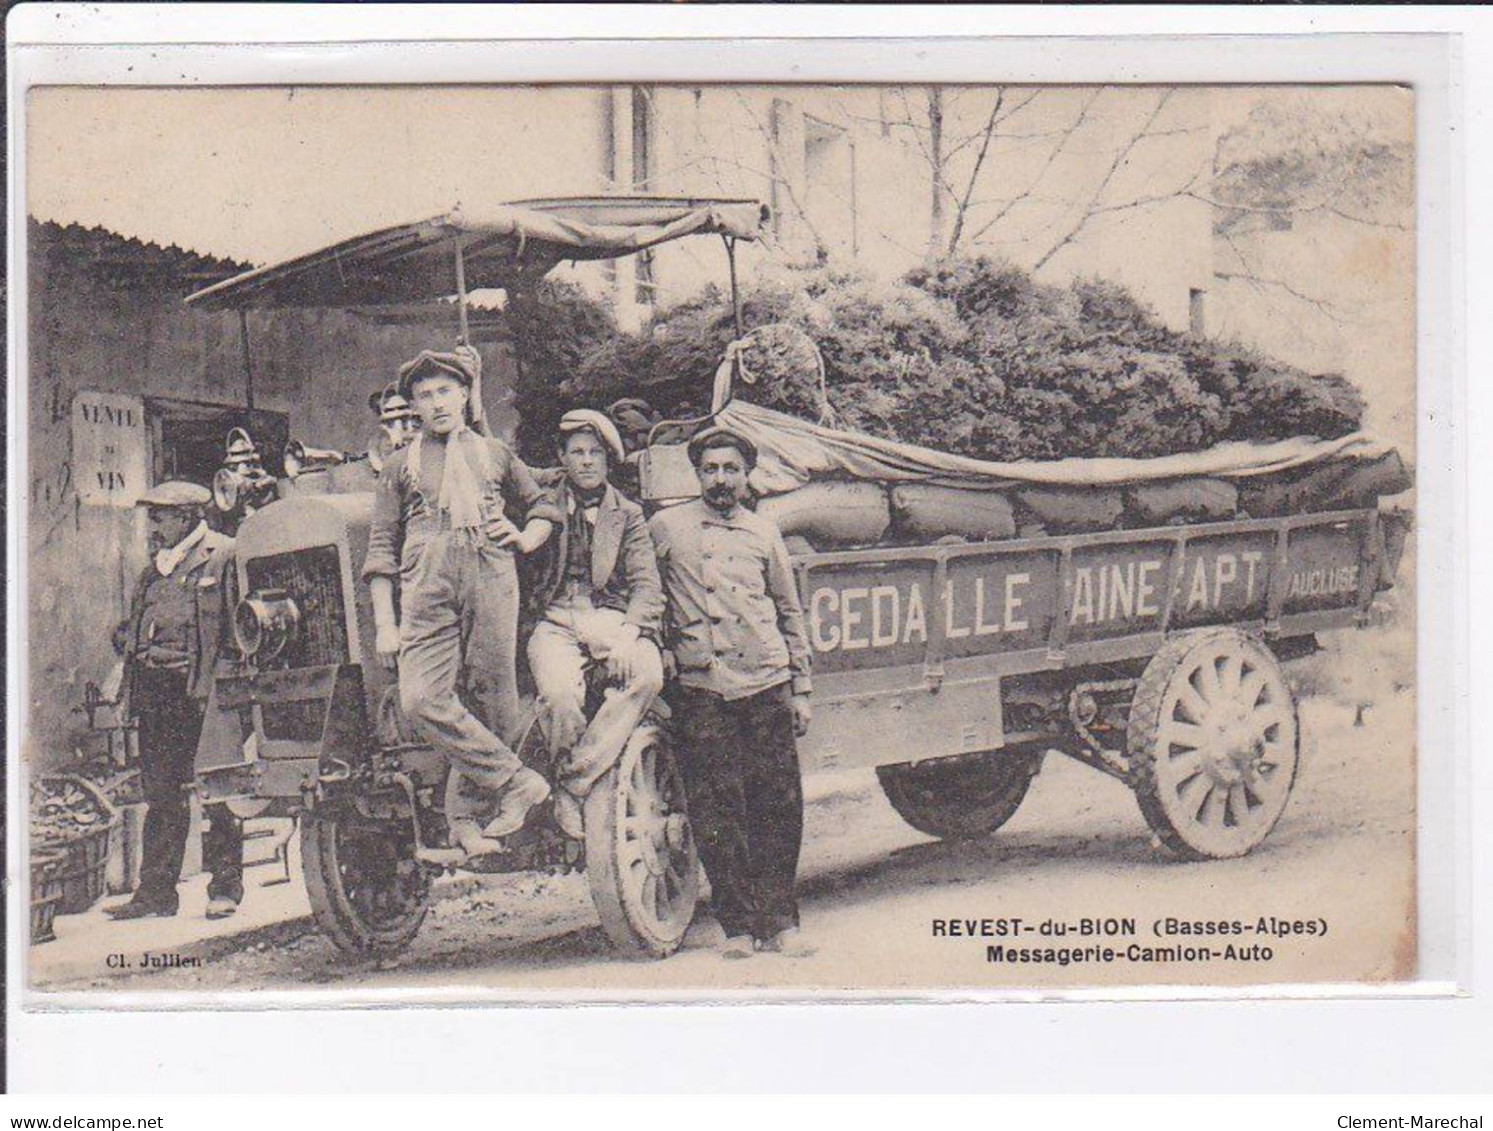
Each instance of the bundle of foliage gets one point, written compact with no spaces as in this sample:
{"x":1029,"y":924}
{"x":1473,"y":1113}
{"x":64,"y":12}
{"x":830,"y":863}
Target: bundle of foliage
{"x":554,"y":328}
{"x":968,"y":356}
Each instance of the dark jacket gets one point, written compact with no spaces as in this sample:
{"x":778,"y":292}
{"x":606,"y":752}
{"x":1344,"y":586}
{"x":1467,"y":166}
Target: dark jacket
{"x":207,"y":570}
{"x":624,"y":570}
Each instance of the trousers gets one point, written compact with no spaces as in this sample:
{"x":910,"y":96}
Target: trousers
{"x":573,"y":635}
{"x":458,"y":633}
{"x":739,"y":760}
{"x":170,"y":724}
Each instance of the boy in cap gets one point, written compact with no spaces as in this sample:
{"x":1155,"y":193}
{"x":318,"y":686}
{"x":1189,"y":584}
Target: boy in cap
{"x":736,"y":627}
{"x":441,"y":527}
{"x":170,"y":643}
{"x":601,"y":603}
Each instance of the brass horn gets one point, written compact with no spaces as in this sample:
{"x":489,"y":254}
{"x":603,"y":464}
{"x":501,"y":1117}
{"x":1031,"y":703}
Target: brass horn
{"x":299,"y":459}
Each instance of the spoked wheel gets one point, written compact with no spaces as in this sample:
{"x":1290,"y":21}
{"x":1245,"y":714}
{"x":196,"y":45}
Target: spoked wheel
{"x":640,"y":851}
{"x":957,"y":798}
{"x":1214,"y":743}
{"x":368,"y":893}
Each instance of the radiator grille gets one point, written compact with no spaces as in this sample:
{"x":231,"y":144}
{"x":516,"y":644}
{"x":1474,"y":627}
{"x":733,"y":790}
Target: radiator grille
{"x":313,"y":579}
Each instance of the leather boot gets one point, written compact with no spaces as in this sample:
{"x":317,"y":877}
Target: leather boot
{"x":467,"y":835}
{"x":526,"y":790}
{"x":568,"y":814}
{"x":137,"y":908}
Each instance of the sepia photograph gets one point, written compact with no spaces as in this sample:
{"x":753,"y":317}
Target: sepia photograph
{"x":709,"y":542}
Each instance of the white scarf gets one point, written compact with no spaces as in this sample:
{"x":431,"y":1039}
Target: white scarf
{"x":468,"y":466}
{"x":167,"y":560}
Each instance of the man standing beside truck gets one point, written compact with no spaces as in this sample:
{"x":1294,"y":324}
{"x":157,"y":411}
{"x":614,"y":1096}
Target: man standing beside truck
{"x":736,"y":628}
{"x":440,"y":527}
{"x":170,"y":643}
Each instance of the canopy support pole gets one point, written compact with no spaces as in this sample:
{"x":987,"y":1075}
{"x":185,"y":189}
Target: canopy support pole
{"x":243,"y":337}
{"x":463,"y":337}
{"x":730,"y":242}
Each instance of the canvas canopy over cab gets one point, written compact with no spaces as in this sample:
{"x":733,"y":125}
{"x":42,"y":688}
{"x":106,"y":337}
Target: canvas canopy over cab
{"x":501,"y":246}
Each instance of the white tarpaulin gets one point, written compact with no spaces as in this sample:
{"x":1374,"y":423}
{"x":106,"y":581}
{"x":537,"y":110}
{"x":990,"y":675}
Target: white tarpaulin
{"x":792,"y":452}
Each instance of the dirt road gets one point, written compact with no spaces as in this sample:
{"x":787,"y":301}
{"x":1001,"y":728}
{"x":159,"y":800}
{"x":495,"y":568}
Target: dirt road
{"x":874,"y":890}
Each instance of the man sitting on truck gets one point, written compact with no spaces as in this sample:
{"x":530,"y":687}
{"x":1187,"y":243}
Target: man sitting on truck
{"x":440,"y":527}
{"x":600,"y":603}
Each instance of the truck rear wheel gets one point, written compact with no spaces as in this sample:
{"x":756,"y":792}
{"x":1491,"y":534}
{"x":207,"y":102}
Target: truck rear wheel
{"x":1213,"y":743}
{"x":368,"y":893}
{"x":956,"y":798}
{"x":640,"y":851}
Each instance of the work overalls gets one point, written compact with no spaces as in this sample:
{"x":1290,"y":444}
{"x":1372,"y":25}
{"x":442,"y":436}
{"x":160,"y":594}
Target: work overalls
{"x":458,"y":624}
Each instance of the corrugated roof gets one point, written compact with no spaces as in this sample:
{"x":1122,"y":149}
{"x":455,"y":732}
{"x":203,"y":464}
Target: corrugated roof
{"x":115,"y":254}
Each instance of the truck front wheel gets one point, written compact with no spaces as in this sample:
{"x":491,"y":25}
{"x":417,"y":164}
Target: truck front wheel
{"x":368,"y":894}
{"x":967,"y":796}
{"x":640,"y":851}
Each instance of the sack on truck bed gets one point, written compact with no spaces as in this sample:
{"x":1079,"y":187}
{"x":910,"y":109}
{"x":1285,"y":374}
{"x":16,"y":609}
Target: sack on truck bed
{"x":1335,"y":484}
{"x":921,"y":512}
{"x":1192,"y":500}
{"x":831,"y":514}
{"x":1068,"y":510}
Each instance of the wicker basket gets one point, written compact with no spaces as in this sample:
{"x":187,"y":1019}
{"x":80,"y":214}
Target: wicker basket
{"x":46,"y":893}
{"x":87,"y":860}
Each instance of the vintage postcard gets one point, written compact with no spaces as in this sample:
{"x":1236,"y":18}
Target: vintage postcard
{"x":715,"y":541}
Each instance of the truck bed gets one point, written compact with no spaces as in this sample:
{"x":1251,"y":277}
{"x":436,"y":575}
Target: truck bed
{"x":916,"y":638}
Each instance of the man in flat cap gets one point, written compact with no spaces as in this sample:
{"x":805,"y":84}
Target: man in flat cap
{"x":600,"y":603}
{"x":397,"y":423}
{"x":736,"y":628}
{"x":442,"y":527}
{"x":170,"y":641}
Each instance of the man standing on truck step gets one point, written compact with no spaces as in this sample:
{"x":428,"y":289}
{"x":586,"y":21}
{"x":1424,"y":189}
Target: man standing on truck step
{"x":170,"y":642}
{"x":736,"y":627}
{"x":601,"y":603}
{"x":439,"y":526}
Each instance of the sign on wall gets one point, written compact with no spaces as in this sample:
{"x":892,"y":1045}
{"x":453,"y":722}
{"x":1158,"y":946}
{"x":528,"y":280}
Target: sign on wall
{"x":110,"y":461}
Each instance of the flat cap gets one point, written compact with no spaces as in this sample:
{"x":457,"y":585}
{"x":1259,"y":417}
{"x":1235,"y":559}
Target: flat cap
{"x":175,"y":493}
{"x":390,"y":404}
{"x":430,"y":363}
{"x":719,"y":437}
{"x":588,"y":419}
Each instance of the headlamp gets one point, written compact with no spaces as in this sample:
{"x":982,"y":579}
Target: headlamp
{"x":264,"y":623}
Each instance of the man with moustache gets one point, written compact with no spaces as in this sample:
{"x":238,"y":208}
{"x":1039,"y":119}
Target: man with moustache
{"x":170,"y":643}
{"x":736,"y":627}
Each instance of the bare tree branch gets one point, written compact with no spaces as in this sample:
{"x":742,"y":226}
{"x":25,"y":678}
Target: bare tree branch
{"x":962,"y":209}
{"x":1057,"y":151}
{"x":1122,"y":155}
{"x":840,"y":198}
{"x":821,"y":248}
{"x":1154,"y":198}
{"x":1298,"y":209}
{"x":1264,"y":283}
